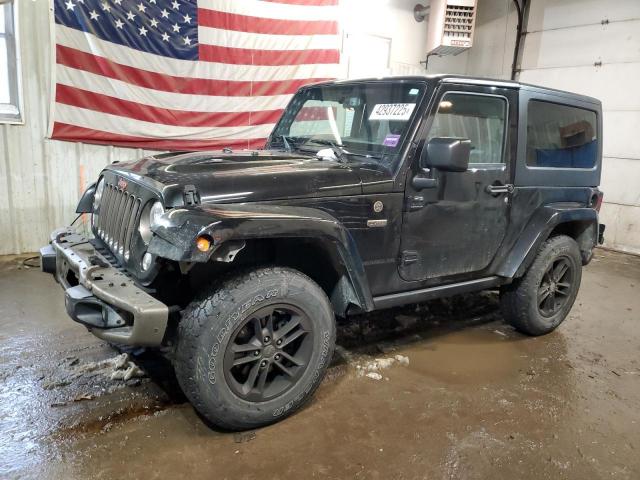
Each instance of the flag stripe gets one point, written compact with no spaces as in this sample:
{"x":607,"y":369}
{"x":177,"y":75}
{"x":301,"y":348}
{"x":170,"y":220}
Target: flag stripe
{"x":262,"y":41}
{"x":243,"y":56}
{"x":121,"y":55}
{"x":116,"y":106}
{"x":245,"y":23}
{"x":306,"y":2}
{"x":87,"y":62}
{"x":272,"y":10}
{"x":73,"y":133}
{"x":171,"y":100}
{"x":140,"y":128}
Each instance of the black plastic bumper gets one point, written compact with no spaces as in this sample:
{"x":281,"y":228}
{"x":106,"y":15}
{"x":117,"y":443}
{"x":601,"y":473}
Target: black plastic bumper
{"x":601,"y":228}
{"x":100,"y":296}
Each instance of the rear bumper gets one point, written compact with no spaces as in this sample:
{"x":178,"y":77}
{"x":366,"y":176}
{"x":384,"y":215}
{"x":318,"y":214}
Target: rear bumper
{"x":101,"y":297}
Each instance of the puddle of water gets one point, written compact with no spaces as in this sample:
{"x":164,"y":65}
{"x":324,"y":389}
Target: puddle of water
{"x":468,"y":356}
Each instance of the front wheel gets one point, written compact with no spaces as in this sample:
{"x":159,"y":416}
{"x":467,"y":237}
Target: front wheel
{"x":539,"y":301}
{"x":255,"y":349}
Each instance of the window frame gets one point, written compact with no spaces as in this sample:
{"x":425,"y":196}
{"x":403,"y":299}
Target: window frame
{"x":486,"y":165}
{"x":12,"y":112}
{"x":567,"y":105}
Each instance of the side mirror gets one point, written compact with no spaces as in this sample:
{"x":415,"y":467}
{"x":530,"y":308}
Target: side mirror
{"x":447,"y":154}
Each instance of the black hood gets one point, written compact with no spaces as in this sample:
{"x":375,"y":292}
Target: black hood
{"x":242,"y":177}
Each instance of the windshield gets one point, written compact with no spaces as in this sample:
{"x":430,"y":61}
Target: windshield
{"x":367,"y":120}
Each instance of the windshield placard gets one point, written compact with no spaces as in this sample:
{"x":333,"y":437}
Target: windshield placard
{"x":392,"y":111}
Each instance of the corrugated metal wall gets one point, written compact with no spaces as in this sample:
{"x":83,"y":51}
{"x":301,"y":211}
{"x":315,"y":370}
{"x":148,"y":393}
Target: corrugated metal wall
{"x":41,"y":180}
{"x":593,"y":47}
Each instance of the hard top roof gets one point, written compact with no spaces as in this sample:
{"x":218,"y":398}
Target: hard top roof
{"x":462,"y":79}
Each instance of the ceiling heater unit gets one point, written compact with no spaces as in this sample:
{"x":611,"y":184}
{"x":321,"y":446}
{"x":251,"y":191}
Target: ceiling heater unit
{"x":450,"y":25}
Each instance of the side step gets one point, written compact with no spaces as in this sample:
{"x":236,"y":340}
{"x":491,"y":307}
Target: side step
{"x":424,"y":294}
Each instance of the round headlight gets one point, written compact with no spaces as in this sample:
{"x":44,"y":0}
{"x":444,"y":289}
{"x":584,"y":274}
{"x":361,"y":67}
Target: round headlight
{"x":149,"y":219}
{"x":97,"y":196}
{"x":154,"y":213}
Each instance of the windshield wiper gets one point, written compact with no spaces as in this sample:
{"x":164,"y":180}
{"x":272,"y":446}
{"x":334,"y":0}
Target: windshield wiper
{"x":287,"y":145}
{"x":341,"y":152}
{"x":338,"y":150}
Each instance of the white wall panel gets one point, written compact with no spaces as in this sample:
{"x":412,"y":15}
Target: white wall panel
{"x":613,"y":43}
{"x":623,"y":227}
{"x":619,"y":81}
{"x":552,"y":14}
{"x":616,"y":175}
{"x":621,"y":132}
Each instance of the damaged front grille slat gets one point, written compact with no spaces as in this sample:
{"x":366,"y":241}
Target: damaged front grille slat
{"x":135,"y":209}
{"x":119,"y":211}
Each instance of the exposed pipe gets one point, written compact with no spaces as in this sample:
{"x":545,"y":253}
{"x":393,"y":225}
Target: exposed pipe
{"x":519,"y":33}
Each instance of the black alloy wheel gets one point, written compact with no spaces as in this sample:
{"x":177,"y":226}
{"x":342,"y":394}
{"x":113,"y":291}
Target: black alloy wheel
{"x":540,"y":300}
{"x":555,"y":287}
{"x":268,"y":352}
{"x":252,"y":348}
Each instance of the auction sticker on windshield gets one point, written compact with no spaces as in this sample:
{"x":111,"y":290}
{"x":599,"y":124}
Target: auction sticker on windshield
{"x":392,"y":111}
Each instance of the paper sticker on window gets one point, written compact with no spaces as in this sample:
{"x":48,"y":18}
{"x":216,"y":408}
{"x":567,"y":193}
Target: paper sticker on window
{"x":392,"y":111}
{"x":391,"y":140}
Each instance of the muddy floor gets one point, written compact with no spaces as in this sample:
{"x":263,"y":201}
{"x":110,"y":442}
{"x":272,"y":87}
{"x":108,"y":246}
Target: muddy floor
{"x":444,"y":390}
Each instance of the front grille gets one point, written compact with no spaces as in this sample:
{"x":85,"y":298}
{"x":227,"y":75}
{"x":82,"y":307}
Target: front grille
{"x":118,"y":219}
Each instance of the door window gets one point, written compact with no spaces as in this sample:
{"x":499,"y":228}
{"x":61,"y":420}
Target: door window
{"x":480,"y":118}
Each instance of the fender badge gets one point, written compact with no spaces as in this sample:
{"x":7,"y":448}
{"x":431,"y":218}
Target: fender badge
{"x":122,"y":184}
{"x":378,"y":206}
{"x":376,"y":223}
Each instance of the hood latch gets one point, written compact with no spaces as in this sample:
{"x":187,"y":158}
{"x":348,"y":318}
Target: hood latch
{"x":191,"y":196}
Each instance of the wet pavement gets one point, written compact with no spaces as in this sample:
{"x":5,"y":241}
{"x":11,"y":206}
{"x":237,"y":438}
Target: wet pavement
{"x":442,"y":391}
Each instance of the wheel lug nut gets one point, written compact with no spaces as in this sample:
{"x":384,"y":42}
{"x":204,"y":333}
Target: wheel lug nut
{"x":256,"y":353}
{"x":267,"y":339}
{"x":279,"y":342}
{"x":263,"y":363}
{"x":277,"y":357}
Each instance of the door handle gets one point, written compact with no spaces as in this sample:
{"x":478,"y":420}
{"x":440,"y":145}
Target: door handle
{"x":499,"y":189}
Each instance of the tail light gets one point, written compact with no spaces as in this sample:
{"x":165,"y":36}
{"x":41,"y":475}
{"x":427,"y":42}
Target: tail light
{"x":596,"y":200}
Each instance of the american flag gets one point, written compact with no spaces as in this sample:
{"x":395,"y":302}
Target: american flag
{"x":186,"y":74}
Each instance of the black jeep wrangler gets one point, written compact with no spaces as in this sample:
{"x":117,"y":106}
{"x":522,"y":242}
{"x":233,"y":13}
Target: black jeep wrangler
{"x":369,"y":194}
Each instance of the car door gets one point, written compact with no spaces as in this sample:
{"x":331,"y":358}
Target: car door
{"x":455,"y":227}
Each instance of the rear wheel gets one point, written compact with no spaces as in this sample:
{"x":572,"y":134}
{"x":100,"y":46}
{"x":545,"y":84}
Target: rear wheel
{"x":255,"y":349}
{"x":539,"y":301}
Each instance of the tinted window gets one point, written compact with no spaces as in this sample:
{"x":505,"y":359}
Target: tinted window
{"x":479,"y":118}
{"x":559,"y":136}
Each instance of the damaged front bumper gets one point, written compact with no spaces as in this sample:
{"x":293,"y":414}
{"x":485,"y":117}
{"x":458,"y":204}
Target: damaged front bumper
{"x":100,"y":296}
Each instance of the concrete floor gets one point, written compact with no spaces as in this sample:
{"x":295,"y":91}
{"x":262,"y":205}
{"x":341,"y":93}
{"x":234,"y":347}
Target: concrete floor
{"x":476,"y":400}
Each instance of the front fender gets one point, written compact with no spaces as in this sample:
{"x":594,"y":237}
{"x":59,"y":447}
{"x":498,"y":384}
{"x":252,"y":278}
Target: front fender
{"x":537,"y":231}
{"x":175,"y":236}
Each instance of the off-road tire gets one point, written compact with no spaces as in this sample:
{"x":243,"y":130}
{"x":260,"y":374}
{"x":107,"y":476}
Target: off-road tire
{"x":205,"y":332}
{"x":519,"y":300}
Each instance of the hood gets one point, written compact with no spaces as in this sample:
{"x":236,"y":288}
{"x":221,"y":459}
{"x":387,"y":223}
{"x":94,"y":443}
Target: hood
{"x":241,"y":177}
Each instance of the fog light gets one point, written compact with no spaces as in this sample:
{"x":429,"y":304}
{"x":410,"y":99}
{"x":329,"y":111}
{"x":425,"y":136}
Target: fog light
{"x":203,"y":244}
{"x":146,"y":261}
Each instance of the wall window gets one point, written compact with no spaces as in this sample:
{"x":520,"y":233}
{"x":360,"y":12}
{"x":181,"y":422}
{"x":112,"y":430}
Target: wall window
{"x":9,"y":64}
{"x":559,"y":136}
{"x":479,"y":118}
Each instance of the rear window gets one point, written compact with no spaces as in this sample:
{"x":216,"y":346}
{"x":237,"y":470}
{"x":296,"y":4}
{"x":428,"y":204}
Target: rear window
{"x":560,"y":136}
